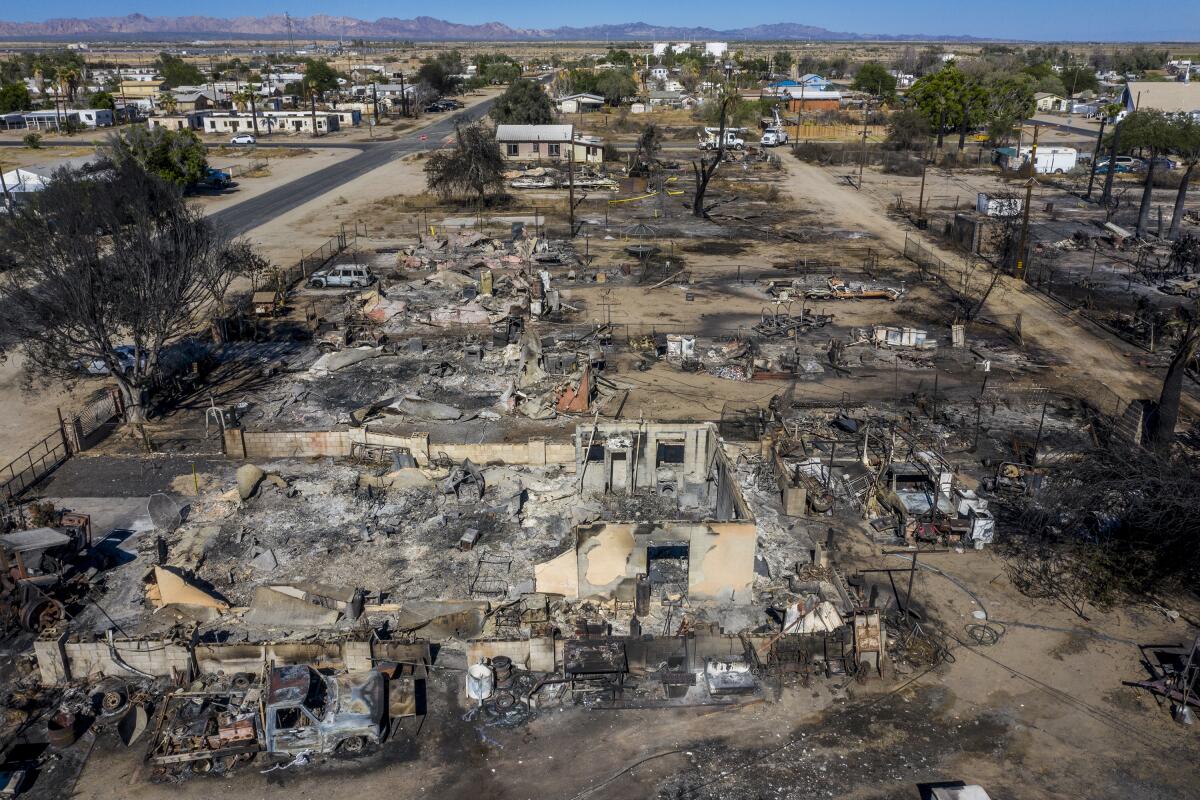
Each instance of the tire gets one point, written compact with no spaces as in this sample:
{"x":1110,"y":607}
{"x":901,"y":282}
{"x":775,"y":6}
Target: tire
{"x":317,"y":284}
{"x":353,"y":746}
{"x":357,"y":285}
{"x":1058,"y":172}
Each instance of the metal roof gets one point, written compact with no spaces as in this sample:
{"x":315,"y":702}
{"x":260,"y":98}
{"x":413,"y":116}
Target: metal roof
{"x":534,"y":133}
{"x":36,"y":539}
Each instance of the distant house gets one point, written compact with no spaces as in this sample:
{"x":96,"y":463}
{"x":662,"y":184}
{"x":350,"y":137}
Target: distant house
{"x":283,"y":121}
{"x":548,"y":143}
{"x":803,"y":98}
{"x":140,"y":89}
{"x":579,"y":102}
{"x":187,"y":121}
{"x":94,"y":117}
{"x":50,"y":120}
{"x":812,"y":80}
{"x":660,"y":73}
{"x":1046,"y":101}
{"x":1173,"y":98}
{"x":192,"y":101}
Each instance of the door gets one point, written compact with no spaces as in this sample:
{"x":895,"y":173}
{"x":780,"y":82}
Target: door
{"x":293,"y":728}
{"x":618,"y":480}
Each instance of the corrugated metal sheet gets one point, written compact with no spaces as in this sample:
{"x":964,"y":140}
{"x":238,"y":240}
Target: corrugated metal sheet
{"x":534,"y":133}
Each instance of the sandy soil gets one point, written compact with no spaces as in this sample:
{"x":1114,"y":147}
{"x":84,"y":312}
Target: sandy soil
{"x":43,"y":160}
{"x":281,"y":166}
{"x":27,"y":416}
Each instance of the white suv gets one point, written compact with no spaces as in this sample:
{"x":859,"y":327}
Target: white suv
{"x":243,"y":138}
{"x":350,"y":275}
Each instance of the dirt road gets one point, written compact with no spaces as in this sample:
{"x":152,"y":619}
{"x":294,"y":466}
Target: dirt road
{"x":1091,"y":355}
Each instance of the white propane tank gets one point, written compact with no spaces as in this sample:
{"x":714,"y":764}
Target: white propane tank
{"x":480,"y":682}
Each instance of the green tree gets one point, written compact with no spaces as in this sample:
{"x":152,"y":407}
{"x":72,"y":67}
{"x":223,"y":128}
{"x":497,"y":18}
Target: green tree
{"x":1152,"y":133}
{"x":619,"y":57}
{"x":177,"y":157}
{"x":781,"y":62}
{"x":437,"y":77}
{"x":874,"y":78}
{"x":615,"y":85}
{"x":1009,"y":102}
{"x":473,"y":167}
{"x":950,"y":100}
{"x":177,"y":72}
{"x":523,"y":103}
{"x":1079,"y":79}
{"x":102,"y":100}
{"x":320,"y":76}
{"x":907,"y":130}
{"x":1186,"y":146}
{"x":14,"y":97}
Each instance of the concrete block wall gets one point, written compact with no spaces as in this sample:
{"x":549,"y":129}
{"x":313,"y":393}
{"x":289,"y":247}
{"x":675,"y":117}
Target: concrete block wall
{"x":60,"y":661}
{"x":82,"y":660}
{"x":253,"y":445}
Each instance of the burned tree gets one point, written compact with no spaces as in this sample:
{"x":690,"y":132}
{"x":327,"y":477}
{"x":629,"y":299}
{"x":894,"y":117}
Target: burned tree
{"x":707,"y":166}
{"x":104,"y":273}
{"x":472,"y":168}
{"x":1166,"y":415}
{"x":1118,"y":520}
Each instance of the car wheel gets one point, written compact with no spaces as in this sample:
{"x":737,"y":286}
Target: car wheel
{"x":317,"y":284}
{"x":1058,"y":172}
{"x":357,"y":284}
{"x":353,"y":746}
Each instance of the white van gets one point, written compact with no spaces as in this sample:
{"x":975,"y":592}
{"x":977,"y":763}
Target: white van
{"x":1052,"y":159}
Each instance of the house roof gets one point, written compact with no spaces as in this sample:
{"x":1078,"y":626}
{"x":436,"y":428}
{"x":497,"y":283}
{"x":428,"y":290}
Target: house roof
{"x":534,"y":133}
{"x":1164,"y":96}
{"x":1044,"y":95}
{"x":583,"y":96}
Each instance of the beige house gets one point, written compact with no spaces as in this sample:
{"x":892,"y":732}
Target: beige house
{"x":548,"y":143}
{"x":277,"y":121}
{"x":1045,"y":101}
{"x":189,"y":121}
{"x":1173,"y":98}
{"x":139,"y":90}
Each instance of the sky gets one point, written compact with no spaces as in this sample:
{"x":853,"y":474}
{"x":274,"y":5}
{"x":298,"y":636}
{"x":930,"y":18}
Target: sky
{"x":1098,"y":20}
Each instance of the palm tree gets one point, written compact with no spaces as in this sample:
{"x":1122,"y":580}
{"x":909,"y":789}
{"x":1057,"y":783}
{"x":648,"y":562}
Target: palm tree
{"x":240,"y":99}
{"x":168,"y":102}
{"x":1187,"y":147}
{"x":73,"y":78}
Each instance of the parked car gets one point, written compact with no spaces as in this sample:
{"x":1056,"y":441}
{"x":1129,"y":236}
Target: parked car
{"x":1123,"y":164}
{"x":96,"y":366}
{"x":244,"y":138}
{"x":1162,"y":162}
{"x":216,"y":179}
{"x":351,"y":275}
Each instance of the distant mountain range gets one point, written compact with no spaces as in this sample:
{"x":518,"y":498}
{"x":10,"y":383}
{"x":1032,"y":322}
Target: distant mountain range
{"x":419,"y":29}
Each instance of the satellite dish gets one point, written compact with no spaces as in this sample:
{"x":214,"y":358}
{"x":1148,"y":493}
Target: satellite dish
{"x":165,"y":512}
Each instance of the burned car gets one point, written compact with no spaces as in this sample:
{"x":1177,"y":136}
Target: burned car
{"x":306,"y":710}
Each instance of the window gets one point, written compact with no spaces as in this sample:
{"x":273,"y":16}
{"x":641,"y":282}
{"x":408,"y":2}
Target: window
{"x":670,"y":453}
{"x":554,"y":150}
{"x":537,"y":148}
{"x":512,"y":149}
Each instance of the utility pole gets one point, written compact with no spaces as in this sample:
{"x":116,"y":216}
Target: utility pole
{"x":862,"y":161}
{"x":1096,"y":157}
{"x":253,"y":110}
{"x":921,"y":197}
{"x":1020,"y":271}
{"x":375,"y":102}
{"x":571,"y":187}
{"x":403,"y":96}
{"x":312,"y":98}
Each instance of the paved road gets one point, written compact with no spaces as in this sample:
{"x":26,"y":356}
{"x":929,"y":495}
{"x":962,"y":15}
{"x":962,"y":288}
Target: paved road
{"x":1062,"y":126}
{"x":249,"y":214}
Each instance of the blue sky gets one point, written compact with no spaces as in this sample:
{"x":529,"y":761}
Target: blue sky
{"x":1027,"y":19}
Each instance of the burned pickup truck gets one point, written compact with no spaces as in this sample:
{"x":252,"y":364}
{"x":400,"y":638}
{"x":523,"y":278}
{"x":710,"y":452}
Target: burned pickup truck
{"x":288,"y":711}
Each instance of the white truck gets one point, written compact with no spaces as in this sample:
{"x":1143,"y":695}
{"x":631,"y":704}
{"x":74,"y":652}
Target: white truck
{"x":711,"y":139}
{"x":774,"y":134}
